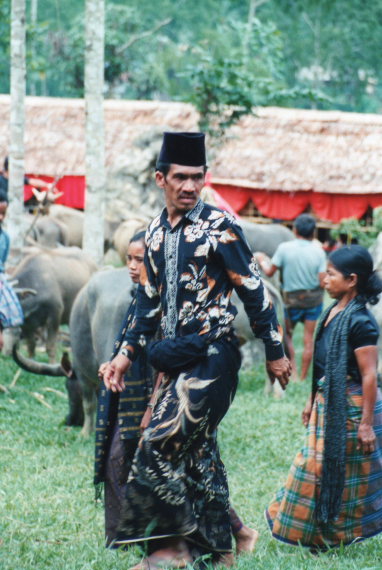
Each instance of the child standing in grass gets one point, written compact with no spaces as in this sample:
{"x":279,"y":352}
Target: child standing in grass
{"x":11,"y":314}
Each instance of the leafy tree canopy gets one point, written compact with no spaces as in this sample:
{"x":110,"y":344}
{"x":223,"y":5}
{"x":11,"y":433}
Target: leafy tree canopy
{"x":224,"y":56}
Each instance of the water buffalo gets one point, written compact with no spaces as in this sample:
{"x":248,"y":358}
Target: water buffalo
{"x":49,"y":232}
{"x":265,"y":237}
{"x":56,"y":276}
{"x":253,"y":350}
{"x":72,"y":219}
{"x":94,"y":323}
{"x":125,"y":232}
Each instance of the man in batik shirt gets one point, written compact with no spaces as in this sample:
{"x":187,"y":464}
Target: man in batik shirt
{"x":177,"y":492}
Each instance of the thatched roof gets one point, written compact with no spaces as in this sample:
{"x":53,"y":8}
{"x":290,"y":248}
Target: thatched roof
{"x":292,"y":150}
{"x":55,"y":130}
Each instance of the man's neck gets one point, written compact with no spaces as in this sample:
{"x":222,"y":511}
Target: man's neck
{"x":305,"y":238}
{"x":174,"y":217}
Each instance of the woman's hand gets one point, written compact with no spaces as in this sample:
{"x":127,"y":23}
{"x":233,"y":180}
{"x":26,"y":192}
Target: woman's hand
{"x":113,"y":374}
{"x":306,"y":412}
{"x":102,"y":369}
{"x":366,"y":438}
{"x":367,"y":358}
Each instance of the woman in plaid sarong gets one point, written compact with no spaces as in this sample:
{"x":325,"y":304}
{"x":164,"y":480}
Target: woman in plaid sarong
{"x":333,"y":493}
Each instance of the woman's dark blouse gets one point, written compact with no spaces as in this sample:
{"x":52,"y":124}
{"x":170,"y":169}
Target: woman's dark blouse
{"x":363,"y":332}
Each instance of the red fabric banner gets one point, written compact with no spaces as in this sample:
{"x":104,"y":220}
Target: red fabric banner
{"x":337,"y":207}
{"x":288,"y":205}
{"x":280,"y":205}
{"x":238,"y":198}
{"x":73,"y":188}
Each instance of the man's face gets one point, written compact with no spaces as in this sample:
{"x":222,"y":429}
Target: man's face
{"x":182,"y":186}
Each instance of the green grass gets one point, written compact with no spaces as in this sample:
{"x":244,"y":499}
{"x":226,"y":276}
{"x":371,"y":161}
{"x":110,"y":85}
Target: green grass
{"x":48,"y":518}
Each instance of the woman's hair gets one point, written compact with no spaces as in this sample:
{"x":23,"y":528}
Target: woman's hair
{"x":356,"y":259}
{"x":140,"y":236}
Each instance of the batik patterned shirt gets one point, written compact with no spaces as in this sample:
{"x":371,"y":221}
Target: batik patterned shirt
{"x":189,"y":273}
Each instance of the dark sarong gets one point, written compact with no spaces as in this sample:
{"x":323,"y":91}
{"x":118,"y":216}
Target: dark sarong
{"x":178,"y":483}
{"x":118,"y":465}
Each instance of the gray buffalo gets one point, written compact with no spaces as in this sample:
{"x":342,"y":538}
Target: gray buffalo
{"x":265,"y":237}
{"x":73,"y":221}
{"x":49,"y":232}
{"x":124,"y":232}
{"x":252,"y":349}
{"x":56,"y":276}
{"x":95,"y":321}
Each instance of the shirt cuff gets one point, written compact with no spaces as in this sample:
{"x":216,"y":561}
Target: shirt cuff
{"x":274,"y":351}
{"x":127,"y":350}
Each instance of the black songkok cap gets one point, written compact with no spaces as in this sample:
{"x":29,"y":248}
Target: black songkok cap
{"x":186,"y":149}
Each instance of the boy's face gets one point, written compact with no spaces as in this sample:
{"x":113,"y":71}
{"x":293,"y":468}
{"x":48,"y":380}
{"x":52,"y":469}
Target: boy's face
{"x":3,"y":211}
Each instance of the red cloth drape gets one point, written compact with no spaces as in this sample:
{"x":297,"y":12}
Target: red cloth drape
{"x":288,"y":205}
{"x":73,"y":188}
{"x":337,"y":207}
{"x":280,"y":205}
{"x":238,"y":198}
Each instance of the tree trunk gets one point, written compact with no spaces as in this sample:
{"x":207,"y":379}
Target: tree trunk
{"x":15,"y":224}
{"x":93,"y":240}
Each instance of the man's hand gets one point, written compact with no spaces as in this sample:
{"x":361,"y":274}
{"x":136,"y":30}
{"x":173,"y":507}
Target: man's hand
{"x":279,"y":369}
{"x":114,"y":372}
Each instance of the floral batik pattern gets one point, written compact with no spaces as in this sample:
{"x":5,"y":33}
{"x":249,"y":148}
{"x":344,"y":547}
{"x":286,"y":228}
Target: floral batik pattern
{"x":190,"y":272}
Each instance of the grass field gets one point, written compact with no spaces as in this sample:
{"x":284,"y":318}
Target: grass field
{"x":48,"y":518}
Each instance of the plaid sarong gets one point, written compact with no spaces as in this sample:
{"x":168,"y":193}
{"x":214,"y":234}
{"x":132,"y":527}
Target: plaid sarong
{"x":291,"y":513}
{"x":11,"y":313}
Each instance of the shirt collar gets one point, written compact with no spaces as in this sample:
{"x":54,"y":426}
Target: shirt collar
{"x":194,"y":214}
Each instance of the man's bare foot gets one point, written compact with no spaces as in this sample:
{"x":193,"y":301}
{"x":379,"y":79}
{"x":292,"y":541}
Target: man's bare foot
{"x":174,"y":554}
{"x":246,"y":539}
{"x":225,"y":561}
{"x":154,"y":562}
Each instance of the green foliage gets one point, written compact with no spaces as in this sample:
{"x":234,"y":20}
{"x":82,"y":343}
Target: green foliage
{"x":356,"y":231}
{"x":301,"y":53}
{"x":4,"y":46}
{"x":333,"y":47}
{"x":239,"y":67}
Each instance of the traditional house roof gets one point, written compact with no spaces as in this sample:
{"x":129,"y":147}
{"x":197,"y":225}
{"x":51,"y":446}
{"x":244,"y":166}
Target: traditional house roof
{"x":302,"y":150}
{"x":55,"y":130}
